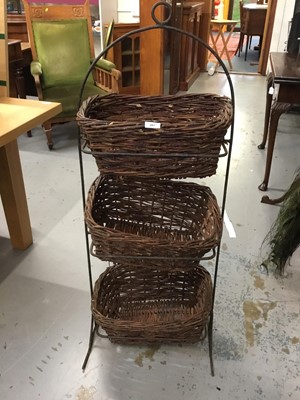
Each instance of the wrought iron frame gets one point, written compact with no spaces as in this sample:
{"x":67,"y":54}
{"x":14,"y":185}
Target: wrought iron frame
{"x":158,"y":25}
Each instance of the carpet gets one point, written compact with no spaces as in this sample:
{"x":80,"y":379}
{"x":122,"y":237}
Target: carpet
{"x":231,"y":46}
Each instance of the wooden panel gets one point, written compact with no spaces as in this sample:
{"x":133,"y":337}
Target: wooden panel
{"x":204,"y":34}
{"x":3,"y":51}
{"x":16,"y":27}
{"x":266,"y":43}
{"x":152,"y":51}
{"x":189,"y":60}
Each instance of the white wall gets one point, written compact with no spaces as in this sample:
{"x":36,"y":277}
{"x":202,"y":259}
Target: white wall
{"x":108,"y":10}
{"x":128,"y":11}
{"x":284,"y":14}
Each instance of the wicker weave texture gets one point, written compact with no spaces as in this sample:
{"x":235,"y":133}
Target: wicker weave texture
{"x":151,"y":218}
{"x":136,"y":305}
{"x":193,"y":125}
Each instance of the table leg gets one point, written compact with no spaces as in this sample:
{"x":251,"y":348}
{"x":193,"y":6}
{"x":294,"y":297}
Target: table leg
{"x":14,"y":197}
{"x":220,"y":35}
{"x":215,"y":41}
{"x":276,"y":111}
{"x":269,"y":98}
{"x":225,"y":43}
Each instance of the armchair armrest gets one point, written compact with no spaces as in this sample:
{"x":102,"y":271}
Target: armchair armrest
{"x":35,"y":68}
{"x":107,"y":76}
{"x":105,"y":64}
{"x":36,"y":72}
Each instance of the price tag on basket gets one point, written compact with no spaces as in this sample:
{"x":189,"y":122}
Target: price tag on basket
{"x":152,"y":125}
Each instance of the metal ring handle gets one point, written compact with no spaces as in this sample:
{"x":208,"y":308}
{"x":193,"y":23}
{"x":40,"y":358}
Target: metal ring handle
{"x":167,"y":6}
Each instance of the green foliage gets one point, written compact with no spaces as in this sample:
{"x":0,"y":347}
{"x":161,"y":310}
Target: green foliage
{"x":236,"y":10}
{"x":284,"y":236}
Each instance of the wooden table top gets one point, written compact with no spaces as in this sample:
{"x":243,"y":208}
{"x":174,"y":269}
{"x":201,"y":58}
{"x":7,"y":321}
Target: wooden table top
{"x":223,"y":21}
{"x":18,"y":116}
{"x":253,"y":6}
{"x":285,"y":68}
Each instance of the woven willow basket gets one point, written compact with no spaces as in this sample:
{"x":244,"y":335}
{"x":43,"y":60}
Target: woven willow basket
{"x":136,"y":305}
{"x":192,"y":130}
{"x":151,"y":218}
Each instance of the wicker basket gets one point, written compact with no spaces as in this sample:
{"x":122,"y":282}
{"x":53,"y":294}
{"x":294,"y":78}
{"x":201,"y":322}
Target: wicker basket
{"x":136,"y":305}
{"x":151,"y":218}
{"x":192,"y":130}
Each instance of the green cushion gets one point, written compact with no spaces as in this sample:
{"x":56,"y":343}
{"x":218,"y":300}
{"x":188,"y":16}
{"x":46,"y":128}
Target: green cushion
{"x":63,"y":50}
{"x":105,"y":64}
{"x":68,"y":96}
{"x":35,"y":68}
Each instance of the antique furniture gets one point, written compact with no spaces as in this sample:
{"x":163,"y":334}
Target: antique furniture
{"x":15,"y":62}
{"x":188,"y":58}
{"x":62,"y":47}
{"x":18,"y":116}
{"x":16,"y":27}
{"x":253,"y":17}
{"x":189,"y":68}
{"x":284,"y":74}
{"x":126,"y":57}
{"x":217,"y":30}
{"x":17,"y":30}
{"x":155,"y":45}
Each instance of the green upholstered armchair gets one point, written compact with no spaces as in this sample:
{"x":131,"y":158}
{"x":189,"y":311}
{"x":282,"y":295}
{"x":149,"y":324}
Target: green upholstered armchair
{"x":61,"y":40}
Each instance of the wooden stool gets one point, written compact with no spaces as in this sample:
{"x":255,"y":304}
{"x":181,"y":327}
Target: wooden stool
{"x":220,"y":26}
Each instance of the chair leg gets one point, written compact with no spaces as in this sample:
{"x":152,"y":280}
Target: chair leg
{"x":48,"y":131}
{"x":241,"y":42}
{"x":247,"y":44}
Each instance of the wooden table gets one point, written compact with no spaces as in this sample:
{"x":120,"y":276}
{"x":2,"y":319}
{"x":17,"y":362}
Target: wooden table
{"x":285,"y":73}
{"x":253,"y":22}
{"x":220,"y":26}
{"x":16,"y":117}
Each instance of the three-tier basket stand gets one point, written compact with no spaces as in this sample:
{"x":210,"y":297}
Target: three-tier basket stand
{"x":142,"y":216}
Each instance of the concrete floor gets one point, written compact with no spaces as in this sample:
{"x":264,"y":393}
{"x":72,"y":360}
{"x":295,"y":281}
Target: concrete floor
{"x":44,"y":291}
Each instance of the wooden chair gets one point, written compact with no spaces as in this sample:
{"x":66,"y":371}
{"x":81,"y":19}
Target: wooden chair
{"x":252,"y":24}
{"x":242,"y":30}
{"x":61,"y":40}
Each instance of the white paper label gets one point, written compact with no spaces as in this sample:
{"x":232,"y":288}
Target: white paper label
{"x":271,"y":91}
{"x":152,"y":125}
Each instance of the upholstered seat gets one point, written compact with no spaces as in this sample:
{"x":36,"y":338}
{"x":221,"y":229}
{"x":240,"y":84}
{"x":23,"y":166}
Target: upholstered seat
{"x":62,"y":45}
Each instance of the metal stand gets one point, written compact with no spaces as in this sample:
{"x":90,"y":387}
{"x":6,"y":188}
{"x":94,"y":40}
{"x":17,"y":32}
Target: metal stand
{"x":81,"y":148}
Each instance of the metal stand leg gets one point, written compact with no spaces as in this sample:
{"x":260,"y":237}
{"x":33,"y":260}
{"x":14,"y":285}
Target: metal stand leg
{"x":91,"y":341}
{"x":210,"y":343}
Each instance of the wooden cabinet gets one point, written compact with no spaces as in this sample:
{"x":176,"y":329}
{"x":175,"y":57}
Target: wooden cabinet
{"x":152,"y":50}
{"x":126,"y":56}
{"x":16,"y":27}
{"x":189,"y":59}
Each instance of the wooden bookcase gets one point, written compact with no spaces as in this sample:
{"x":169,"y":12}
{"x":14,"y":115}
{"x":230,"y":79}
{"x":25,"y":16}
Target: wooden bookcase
{"x":126,"y":56}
